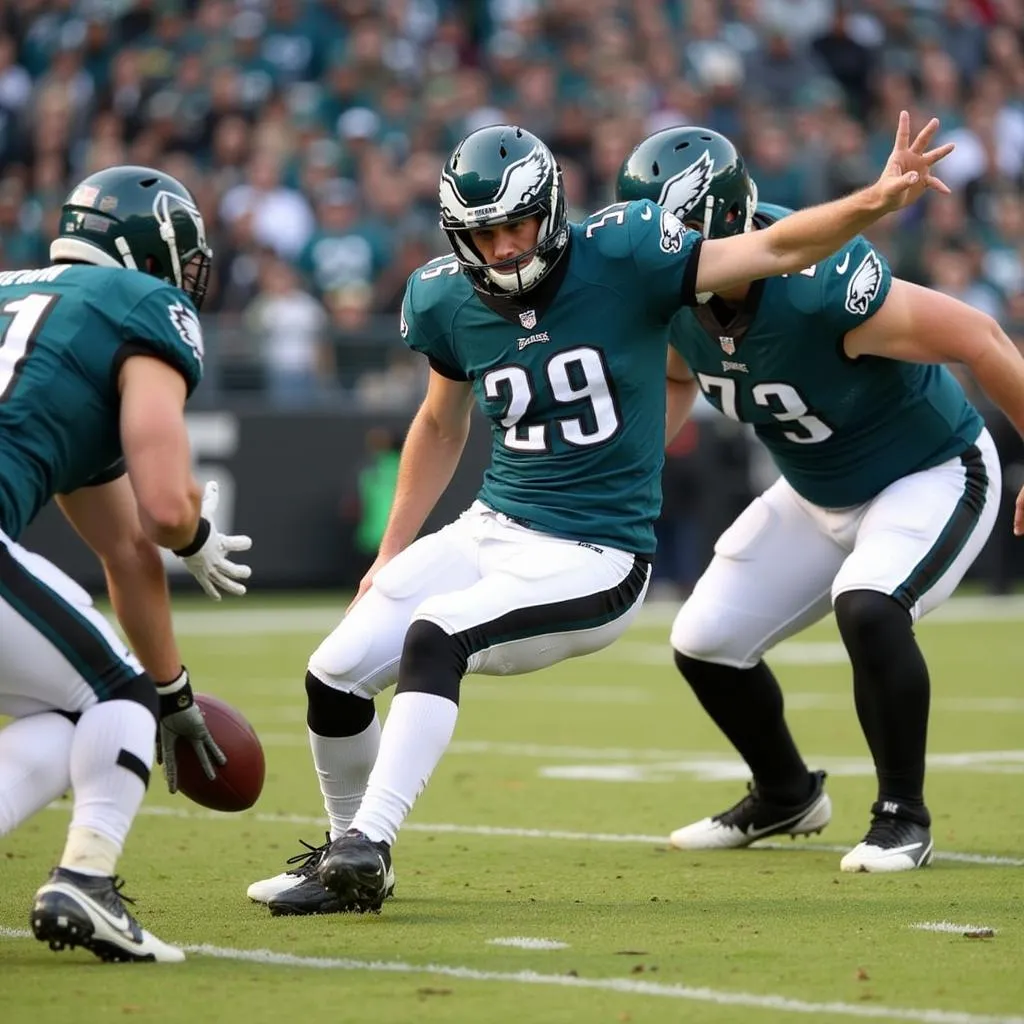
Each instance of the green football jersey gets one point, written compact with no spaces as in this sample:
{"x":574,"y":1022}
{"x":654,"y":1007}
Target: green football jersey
{"x":840,"y":430}
{"x":572,"y":377}
{"x":64,"y":332}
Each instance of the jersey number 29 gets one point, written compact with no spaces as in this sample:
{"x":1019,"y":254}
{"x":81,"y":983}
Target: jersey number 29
{"x":575,"y":375}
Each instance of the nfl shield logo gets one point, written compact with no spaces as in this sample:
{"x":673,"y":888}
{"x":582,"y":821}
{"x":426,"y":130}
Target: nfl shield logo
{"x":528,"y":318}
{"x":728,"y":345}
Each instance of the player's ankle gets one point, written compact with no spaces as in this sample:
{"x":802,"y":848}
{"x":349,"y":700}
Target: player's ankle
{"x":89,"y":852}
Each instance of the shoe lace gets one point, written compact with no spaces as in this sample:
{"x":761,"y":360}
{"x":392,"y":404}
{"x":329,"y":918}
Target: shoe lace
{"x":309,"y":858}
{"x":742,"y":809}
{"x":886,"y":831}
{"x":118,"y":883}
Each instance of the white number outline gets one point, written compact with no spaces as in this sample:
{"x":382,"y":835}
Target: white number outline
{"x":17,"y":338}
{"x":520,"y":391}
{"x":794,"y":408}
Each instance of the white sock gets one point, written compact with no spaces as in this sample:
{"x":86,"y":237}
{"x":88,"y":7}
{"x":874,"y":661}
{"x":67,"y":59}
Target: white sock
{"x":417,"y":732}
{"x":34,"y":766}
{"x":107,"y":794}
{"x":343,"y":764}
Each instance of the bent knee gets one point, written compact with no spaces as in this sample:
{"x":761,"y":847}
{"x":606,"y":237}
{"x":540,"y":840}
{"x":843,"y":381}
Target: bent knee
{"x":706,"y":635}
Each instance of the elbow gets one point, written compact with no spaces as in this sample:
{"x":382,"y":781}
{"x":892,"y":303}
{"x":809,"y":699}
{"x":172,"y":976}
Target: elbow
{"x":132,"y":554}
{"x":169,"y":520}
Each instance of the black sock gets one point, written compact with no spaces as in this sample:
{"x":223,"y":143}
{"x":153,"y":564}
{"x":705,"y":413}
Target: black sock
{"x":746,"y":704}
{"x":891,"y":689}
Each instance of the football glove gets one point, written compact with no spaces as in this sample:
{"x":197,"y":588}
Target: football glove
{"x":207,"y":556}
{"x":180,"y":716}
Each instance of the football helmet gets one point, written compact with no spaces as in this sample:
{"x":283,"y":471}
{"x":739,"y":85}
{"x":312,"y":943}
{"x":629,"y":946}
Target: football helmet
{"x":139,"y":218}
{"x":499,"y":175}
{"x":695,"y":173}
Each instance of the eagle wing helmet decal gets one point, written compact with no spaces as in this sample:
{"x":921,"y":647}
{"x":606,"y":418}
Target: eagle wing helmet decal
{"x":865,"y":284}
{"x":681,"y":193}
{"x":521,"y":183}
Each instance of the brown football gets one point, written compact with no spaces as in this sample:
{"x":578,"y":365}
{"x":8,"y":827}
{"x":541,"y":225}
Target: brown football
{"x":239,"y":782}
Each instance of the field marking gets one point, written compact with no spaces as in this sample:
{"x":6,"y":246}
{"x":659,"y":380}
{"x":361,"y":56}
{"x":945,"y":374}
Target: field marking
{"x":711,"y":769}
{"x":240,"y":621}
{"x":977,"y":930}
{"x":524,"y":942}
{"x":511,"y":832}
{"x":269,"y":957}
{"x":789,"y":652}
{"x":628,"y":694}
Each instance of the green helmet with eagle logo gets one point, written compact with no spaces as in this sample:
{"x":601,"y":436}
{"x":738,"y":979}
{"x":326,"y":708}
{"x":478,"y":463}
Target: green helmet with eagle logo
{"x":499,"y":175}
{"x":695,"y":173}
{"x":139,"y":218}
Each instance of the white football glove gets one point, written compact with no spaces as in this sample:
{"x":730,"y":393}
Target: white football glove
{"x":180,"y":716}
{"x":207,"y":556}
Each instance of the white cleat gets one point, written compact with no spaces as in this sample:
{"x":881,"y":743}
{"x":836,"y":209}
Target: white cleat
{"x":755,"y":818}
{"x":892,"y":844}
{"x":73,"y":909}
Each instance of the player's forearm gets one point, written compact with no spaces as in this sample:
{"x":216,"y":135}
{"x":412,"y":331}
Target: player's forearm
{"x":137,"y":586}
{"x":679,"y":398}
{"x":810,"y":235}
{"x":999,"y":370}
{"x":429,"y":457}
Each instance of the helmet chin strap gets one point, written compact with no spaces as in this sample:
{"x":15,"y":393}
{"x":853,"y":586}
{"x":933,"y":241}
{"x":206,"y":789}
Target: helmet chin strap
{"x":524,"y":278}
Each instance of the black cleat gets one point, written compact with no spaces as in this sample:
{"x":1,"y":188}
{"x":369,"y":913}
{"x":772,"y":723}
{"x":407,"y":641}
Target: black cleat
{"x":73,"y":909}
{"x":358,"y":872}
{"x":893,"y":843}
{"x":756,"y":818}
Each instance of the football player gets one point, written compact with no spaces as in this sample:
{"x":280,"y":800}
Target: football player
{"x":558,"y":331}
{"x":98,"y":352}
{"x":889,"y":488}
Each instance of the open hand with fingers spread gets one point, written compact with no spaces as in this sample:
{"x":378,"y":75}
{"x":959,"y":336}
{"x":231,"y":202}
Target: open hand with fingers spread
{"x":908,"y":171}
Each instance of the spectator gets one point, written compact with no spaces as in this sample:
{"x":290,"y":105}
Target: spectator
{"x":288,"y":325}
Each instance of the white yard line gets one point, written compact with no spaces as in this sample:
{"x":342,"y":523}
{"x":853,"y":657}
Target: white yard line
{"x":526,"y":942}
{"x":505,"y":832}
{"x":975,"y":930}
{"x":240,"y":621}
{"x":625,"y":986}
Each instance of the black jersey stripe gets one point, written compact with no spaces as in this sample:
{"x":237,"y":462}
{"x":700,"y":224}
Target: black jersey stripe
{"x":572,"y":615}
{"x":958,"y":528}
{"x":64,"y":626}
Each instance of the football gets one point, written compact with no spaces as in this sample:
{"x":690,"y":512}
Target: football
{"x":239,"y":782}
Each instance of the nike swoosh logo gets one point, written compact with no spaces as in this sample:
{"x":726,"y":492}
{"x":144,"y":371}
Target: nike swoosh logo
{"x":841,"y":268}
{"x":647,"y":214}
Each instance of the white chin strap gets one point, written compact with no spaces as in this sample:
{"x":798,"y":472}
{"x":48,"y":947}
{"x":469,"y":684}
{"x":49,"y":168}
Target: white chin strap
{"x":527,"y":276}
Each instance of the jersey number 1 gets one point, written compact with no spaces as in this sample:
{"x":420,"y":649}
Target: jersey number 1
{"x":16,"y":338}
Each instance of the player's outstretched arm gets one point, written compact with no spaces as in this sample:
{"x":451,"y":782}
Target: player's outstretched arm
{"x":805,"y":237}
{"x":156,"y":450}
{"x":106,"y":517}
{"x":918,"y":325}
{"x":432,"y":449}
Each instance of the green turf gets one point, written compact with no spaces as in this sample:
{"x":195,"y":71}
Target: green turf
{"x":767,"y":923}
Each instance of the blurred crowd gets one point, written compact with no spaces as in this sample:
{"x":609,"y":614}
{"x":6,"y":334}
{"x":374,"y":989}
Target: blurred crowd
{"x":313,"y":133}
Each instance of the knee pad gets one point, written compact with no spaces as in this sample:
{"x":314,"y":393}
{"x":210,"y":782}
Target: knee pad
{"x":868,"y":615}
{"x":706,"y":637}
{"x":139,"y":689}
{"x":432,"y":661}
{"x":875,"y":628}
{"x":331,"y":712}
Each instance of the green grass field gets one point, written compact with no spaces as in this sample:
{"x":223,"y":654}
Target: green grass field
{"x":545,"y":821}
